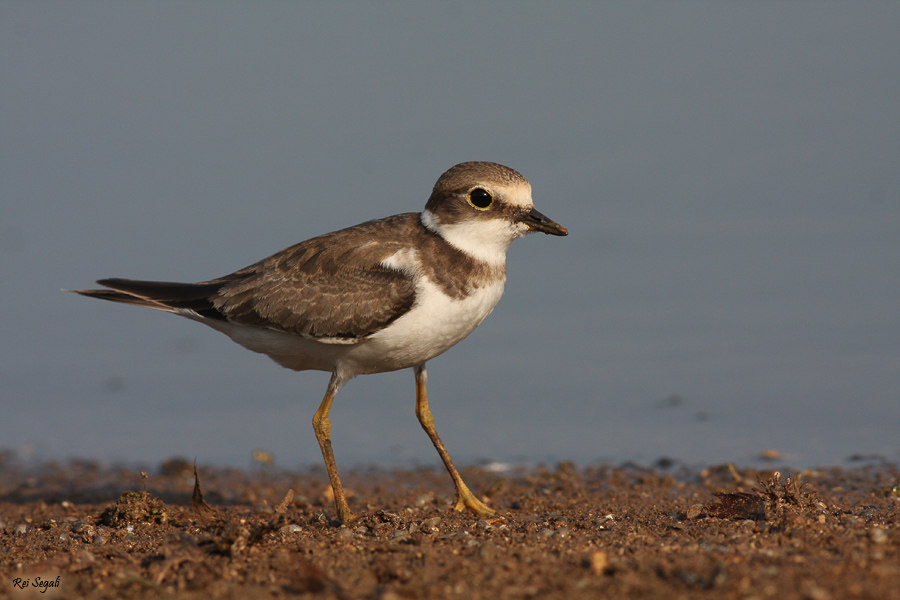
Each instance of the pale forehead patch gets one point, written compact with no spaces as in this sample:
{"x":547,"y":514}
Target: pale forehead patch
{"x":516,"y":194}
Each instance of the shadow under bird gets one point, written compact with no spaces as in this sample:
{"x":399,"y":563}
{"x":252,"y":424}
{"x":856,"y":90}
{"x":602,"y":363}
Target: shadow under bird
{"x":384,"y":295}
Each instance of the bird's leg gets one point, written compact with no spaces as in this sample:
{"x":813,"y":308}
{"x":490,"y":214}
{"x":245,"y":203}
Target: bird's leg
{"x":322,"y":427}
{"x":464,"y":497}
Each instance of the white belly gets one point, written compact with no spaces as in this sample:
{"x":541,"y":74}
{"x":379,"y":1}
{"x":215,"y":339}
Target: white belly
{"x":435,"y":323}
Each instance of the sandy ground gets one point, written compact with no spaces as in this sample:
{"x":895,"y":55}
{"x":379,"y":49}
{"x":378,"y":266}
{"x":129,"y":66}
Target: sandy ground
{"x":77,"y":530}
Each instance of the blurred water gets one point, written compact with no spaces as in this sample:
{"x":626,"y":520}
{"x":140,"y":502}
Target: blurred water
{"x":728,"y":174}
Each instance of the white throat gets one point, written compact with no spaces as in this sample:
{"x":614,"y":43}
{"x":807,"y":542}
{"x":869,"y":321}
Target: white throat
{"x":486,"y":241}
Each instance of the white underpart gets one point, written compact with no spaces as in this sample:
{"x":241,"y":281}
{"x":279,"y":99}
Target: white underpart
{"x":435,"y":323}
{"x":287,"y":349}
{"x":487,"y":241}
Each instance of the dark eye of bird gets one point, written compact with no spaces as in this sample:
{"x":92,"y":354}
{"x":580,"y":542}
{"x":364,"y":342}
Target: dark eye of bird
{"x":480,"y":198}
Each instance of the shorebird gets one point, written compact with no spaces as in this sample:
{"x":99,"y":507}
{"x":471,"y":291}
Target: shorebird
{"x":380,"y":296}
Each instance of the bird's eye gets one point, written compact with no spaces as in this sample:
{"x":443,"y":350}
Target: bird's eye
{"x":480,"y":199}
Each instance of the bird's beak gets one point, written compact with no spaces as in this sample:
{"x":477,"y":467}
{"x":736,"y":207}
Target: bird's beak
{"x":538,"y":222}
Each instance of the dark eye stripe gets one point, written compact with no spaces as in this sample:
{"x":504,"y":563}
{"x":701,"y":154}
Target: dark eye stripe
{"x":480,"y":199}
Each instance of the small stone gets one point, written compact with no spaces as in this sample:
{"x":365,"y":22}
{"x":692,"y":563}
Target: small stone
{"x":82,"y":560}
{"x":814,"y":592}
{"x":292,"y":528}
{"x":545,"y":533}
{"x":424,"y":499}
{"x":868,"y":512}
{"x":563,"y":532}
{"x":400,"y":534}
{"x":387,"y":516}
{"x":599,"y":562}
{"x":850,"y":521}
{"x":456,"y":535}
{"x":487,"y":551}
{"x":22,"y":529}
{"x":344,"y":534}
{"x":695,"y":511}
{"x":878,"y":535}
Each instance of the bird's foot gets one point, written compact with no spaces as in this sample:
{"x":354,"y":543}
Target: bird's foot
{"x":344,"y":518}
{"x":466,"y":499}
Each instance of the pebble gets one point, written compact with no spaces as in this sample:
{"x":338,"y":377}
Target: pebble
{"x":424,"y":499}
{"x":695,"y":511}
{"x":389,"y":516}
{"x":484,"y":526}
{"x":487,"y":551}
{"x":878,"y":535}
{"x":344,"y":534}
{"x":433,"y":522}
{"x":545,"y":533}
{"x":599,"y":562}
{"x":292,"y":528}
{"x":21,"y":529}
{"x":868,"y":512}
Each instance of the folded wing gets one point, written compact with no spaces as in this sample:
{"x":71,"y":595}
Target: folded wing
{"x":321,"y":288}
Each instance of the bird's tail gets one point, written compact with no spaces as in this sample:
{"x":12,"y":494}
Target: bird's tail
{"x":160,"y":295}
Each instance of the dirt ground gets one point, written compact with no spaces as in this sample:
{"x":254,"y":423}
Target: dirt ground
{"x":77,"y":530}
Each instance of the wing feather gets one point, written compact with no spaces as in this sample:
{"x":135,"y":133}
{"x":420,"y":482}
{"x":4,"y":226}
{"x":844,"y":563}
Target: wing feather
{"x":332,"y":286}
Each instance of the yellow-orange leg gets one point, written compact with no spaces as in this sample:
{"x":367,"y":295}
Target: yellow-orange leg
{"x":464,"y":497}
{"x":322,"y":427}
